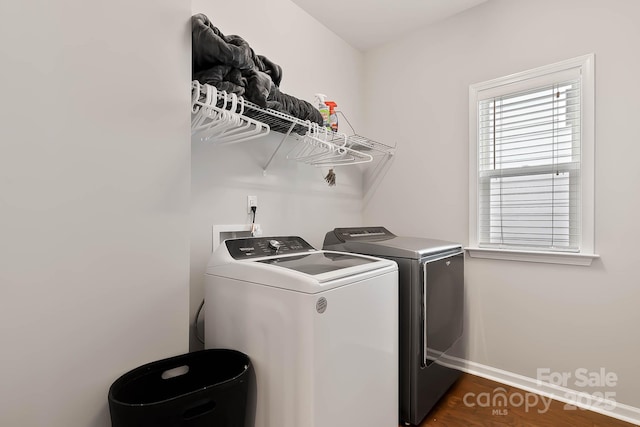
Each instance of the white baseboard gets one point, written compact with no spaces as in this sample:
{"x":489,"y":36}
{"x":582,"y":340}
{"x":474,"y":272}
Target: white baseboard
{"x":609,"y":408}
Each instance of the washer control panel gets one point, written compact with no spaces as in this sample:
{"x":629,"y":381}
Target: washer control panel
{"x":256,"y":247}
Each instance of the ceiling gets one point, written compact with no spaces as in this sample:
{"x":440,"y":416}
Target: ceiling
{"x":365,"y":24}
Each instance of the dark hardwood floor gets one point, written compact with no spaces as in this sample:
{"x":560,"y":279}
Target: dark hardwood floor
{"x":465,"y":406}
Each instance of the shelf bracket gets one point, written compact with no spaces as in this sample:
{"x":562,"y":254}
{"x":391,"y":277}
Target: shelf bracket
{"x":284,"y":138}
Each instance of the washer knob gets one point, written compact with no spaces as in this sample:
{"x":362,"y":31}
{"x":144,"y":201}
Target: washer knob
{"x":275,"y":245}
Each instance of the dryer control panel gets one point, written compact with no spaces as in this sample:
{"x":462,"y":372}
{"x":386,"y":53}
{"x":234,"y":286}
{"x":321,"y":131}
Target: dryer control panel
{"x":361,"y":233}
{"x":256,"y":247}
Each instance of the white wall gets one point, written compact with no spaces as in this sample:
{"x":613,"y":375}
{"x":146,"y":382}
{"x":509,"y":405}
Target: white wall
{"x":94,"y":201}
{"x":521,"y":316}
{"x":293,"y":199}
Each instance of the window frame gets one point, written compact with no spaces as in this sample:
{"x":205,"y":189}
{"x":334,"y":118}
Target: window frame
{"x":521,"y":81}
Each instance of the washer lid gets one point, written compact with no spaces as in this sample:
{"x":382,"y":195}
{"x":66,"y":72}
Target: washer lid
{"x":378,"y":241}
{"x":318,"y":263}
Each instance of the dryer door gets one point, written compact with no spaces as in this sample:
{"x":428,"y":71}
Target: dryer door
{"x":442,"y":303}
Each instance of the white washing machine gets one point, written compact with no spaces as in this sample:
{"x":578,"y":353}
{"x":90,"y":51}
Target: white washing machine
{"x":320,"y":327}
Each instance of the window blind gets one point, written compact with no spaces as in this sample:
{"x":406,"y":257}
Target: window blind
{"x":529,"y":168}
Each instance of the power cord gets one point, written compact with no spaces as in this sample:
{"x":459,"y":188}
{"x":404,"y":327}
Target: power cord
{"x":197,"y":332}
{"x":253,"y":221}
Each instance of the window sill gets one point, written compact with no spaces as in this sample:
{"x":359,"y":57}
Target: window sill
{"x":533,"y":256}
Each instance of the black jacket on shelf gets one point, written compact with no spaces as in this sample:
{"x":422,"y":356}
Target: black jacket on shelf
{"x":230,"y":64}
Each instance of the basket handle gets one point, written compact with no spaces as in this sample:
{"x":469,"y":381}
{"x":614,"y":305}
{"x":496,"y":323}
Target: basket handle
{"x":175,"y":372}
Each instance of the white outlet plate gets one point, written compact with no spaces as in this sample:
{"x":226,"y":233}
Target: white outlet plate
{"x":251,"y":201}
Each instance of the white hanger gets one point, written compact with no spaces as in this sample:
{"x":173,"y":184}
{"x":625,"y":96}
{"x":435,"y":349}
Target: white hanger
{"x":316,"y":145}
{"x":220,"y":119}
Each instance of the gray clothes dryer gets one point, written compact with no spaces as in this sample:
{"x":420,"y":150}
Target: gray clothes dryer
{"x":431,"y":298}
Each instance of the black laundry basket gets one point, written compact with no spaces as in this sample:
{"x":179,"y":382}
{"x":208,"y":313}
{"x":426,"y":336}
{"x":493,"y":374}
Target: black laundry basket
{"x":203,"y":388}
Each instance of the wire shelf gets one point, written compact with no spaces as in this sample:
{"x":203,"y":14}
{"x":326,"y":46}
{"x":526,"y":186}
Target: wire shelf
{"x":277,"y":121}
{"x":223,"y":118}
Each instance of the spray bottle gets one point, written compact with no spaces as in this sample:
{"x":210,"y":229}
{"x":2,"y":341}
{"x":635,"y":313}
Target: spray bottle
{"x":333,"y":117}
{"x":323,"y":108}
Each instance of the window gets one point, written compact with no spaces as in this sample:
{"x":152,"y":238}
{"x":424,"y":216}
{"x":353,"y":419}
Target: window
{"x":531,"y":161}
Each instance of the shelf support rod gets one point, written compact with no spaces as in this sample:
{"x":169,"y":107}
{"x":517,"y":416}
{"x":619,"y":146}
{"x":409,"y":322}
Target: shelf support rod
{"x":284,"y":138}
